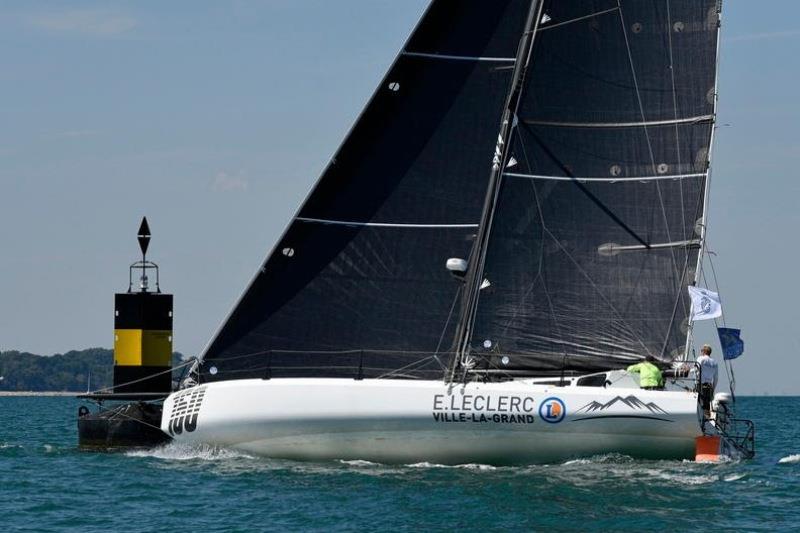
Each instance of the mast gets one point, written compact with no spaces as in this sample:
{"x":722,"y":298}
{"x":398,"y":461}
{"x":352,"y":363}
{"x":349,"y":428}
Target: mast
{"x":474,"y":277}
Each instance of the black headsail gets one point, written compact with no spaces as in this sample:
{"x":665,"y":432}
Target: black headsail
{"x":597,"y":224}
{"x":357,"y":283}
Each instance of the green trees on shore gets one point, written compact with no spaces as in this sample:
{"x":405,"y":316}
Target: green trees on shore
{"x":70,"y":371}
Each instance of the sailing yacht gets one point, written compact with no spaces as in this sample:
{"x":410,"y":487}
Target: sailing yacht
{"x":512,"y":221}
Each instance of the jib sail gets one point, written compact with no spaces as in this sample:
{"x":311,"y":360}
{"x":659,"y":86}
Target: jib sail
{"x":597,"y":223}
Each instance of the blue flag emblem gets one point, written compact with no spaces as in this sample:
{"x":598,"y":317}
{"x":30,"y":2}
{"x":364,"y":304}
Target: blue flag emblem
{"x":732,"y":344}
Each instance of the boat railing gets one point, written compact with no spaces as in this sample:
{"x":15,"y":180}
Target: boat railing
{"x":362,"y":364}
{"x":739,"y":434}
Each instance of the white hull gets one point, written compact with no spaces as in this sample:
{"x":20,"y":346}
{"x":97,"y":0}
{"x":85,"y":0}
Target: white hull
{"x":392,"y":421}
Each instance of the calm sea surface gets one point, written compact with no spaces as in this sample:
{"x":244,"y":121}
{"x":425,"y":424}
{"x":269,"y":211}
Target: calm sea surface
{"x":46,"y":484}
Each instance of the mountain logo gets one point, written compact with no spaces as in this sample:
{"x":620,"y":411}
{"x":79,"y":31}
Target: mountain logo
{"x":552,"y":410}
{"x":631,"y":401}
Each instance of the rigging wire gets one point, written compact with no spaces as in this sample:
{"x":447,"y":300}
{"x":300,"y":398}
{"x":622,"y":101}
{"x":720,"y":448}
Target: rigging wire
{"x":646,"y":131}
{"x":447,"y":322}
{"x":149,"y":376}
{"x":539,"y":276}
{"x":726,"y":362}
{"x":120,"y":413}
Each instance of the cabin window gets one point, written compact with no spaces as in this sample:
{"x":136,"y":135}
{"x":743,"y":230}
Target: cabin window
{"x":597,"y":380}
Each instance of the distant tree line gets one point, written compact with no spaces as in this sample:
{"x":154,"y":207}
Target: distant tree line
{"x":21,"y":371}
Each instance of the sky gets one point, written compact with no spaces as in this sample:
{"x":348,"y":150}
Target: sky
{"x":214,"y":119}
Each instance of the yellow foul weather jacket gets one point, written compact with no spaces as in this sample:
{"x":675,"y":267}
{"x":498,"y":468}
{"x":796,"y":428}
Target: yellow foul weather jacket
{"x":649,"y":374}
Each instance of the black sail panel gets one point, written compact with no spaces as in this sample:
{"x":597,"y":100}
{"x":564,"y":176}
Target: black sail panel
{"x":357,"y":284}
{"x":595,"y":233}
{"x":561,"y":285}
{"x":627,"y":61}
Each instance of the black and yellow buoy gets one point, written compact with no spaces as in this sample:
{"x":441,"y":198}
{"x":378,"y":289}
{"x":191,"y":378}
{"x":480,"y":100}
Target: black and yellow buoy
{"x":143,"y":330}
{"x":142,"y":365}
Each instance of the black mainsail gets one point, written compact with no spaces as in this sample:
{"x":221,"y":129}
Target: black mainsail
{"x":580,"y":243}
{"x":357,"y":283}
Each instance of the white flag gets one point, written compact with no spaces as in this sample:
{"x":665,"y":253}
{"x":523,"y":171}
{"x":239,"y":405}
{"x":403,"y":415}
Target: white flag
{"x":705,"y":304}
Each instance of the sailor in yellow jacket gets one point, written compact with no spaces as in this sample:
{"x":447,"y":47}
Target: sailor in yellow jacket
{"x":650,"y":377}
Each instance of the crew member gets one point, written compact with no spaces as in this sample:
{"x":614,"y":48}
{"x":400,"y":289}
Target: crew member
{"x":708,"y":378}
{"x":650,"y":377}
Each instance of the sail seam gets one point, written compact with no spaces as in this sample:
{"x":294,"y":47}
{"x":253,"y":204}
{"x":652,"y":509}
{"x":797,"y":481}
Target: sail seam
{"x":608,"y":180}
{"x":383,"y":224}
{"x":571,"y":21}
{"x":460,"y":58}
{"x":689,"y":120}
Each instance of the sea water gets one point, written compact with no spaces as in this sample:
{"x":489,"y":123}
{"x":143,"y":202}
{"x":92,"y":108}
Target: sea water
{"x":47,"y":484}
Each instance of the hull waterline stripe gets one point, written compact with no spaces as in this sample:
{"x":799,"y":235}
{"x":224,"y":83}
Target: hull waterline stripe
{"x":609,"y":180}
{"x":384,"y":224}
{"x":460,"y":58}
{"x":639,"y":124}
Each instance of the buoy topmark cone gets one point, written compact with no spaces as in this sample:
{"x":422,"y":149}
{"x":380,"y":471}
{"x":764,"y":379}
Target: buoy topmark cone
{"x":143,"y":330}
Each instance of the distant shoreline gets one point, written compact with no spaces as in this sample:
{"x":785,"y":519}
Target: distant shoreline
{"x":38,"y":393}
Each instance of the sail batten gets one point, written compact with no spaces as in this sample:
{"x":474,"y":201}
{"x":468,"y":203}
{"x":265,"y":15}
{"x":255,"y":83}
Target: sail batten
{"x":384,"y":224}
{"x":547,"y":26}
{"x":459,"y":58}
{"x":609,"y":179}
{"x":644,"y":124}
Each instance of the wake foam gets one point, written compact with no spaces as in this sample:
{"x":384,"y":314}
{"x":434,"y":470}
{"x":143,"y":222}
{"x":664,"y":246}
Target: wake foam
{"x":734,"y":477}
{"x":790,"y":459}
{"x":358,"y":462}
{"x":186,"y":452}
{"x":608,"y":458}
{"x":687,"y":479}
{"x":468,"y":466}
